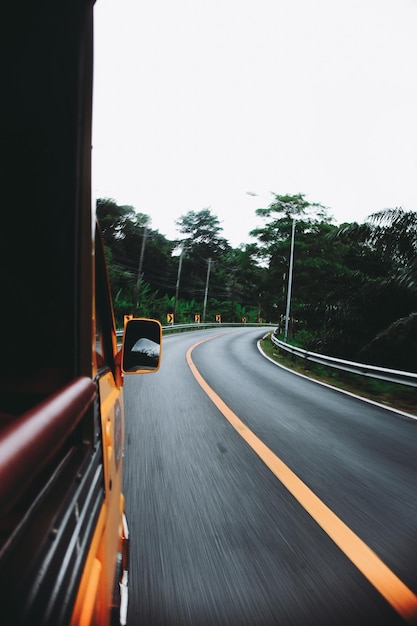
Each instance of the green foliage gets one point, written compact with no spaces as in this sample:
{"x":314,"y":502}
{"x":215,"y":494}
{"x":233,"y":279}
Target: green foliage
{"x":203,"y":230}
{"x":305,"y":339}
{"x":125,"y":234}
{"x":318,"y":267}
{"x":380,"y":256}
{"x":350,"y":284}
{"x":203,"y":248}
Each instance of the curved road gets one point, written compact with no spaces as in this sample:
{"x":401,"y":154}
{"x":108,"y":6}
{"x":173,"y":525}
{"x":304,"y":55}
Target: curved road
{"x":272,"y":500}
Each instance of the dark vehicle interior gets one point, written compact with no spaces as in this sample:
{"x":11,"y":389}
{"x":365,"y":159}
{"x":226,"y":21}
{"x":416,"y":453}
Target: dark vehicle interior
{"x":48,"y":401}
{"x":46,"y":69}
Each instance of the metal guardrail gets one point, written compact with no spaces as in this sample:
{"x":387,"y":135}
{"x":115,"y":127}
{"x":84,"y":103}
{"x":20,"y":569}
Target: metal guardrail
{"x":171,"y":328}
{"x":201,"y":325}
{"x":371,"y":371}
{"x":381,"y":373}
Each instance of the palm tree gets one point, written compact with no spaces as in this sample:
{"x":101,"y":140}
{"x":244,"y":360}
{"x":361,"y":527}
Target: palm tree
{"x":382,"y":255}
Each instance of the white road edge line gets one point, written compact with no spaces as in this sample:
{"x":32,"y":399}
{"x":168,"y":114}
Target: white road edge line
{"x":347,"y":393}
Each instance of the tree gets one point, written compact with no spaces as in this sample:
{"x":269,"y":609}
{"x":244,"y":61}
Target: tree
{"x":123,"y":232}
{"x":381,"y":256}
{"x":203,"y":233}
{"x":202,"y":245}
{"x":317,"y":261}
{"x":243,"y":279}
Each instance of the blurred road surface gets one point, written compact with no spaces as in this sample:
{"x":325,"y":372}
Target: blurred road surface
{"x":218,"y":539}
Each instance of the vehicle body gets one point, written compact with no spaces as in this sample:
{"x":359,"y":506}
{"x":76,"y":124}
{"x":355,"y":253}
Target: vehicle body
{"x":63,"y":531}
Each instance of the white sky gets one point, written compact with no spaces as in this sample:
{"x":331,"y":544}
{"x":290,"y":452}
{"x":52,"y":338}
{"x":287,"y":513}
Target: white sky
{"x":197,"y":102}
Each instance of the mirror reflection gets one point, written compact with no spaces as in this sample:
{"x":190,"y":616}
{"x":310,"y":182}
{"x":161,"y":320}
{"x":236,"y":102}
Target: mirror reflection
{"x":141,"y":346}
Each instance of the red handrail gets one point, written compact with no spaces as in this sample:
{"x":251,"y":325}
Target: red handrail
{"x":31,"y":440}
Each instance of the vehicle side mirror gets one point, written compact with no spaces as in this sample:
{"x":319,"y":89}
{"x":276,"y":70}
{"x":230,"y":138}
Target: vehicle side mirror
{"x":142,"y":346}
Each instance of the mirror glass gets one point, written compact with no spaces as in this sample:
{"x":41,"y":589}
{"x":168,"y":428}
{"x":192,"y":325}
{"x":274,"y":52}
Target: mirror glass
{"x":141,"y":346}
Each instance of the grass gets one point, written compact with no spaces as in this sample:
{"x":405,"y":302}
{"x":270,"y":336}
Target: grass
{"x":397,"y":396}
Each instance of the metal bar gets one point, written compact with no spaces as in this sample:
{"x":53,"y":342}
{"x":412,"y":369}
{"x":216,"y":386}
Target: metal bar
{"x":362,"y":369}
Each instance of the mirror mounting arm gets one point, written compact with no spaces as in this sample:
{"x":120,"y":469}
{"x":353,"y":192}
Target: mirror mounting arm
{"x":118,"y":374}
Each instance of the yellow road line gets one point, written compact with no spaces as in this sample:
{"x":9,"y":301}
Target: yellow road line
{"x":401,"y":598}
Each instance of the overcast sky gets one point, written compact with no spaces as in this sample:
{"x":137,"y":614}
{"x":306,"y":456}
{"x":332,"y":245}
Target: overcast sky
{"x":197,"y":102}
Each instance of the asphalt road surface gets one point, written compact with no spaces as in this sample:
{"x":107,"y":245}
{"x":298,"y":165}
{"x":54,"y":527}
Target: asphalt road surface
{"x":257,"y":497}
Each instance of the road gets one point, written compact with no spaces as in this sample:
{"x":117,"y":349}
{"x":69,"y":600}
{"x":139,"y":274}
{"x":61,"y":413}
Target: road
{"x":288,"y":504}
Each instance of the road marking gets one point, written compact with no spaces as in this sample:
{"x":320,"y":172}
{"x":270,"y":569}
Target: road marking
{"x":399,"y":596}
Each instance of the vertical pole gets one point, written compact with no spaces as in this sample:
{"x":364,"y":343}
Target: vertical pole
{"x":206,"y":291}
{"x":137,"y":291}
{"x":290,"y":272}
{"x":178,"y":284}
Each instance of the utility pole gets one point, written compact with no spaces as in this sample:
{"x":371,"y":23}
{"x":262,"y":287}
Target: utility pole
{"x":137,"y":291}
{"x":206,"y":290}
{"x":178,"y":284}
{"x":290,"y":272}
